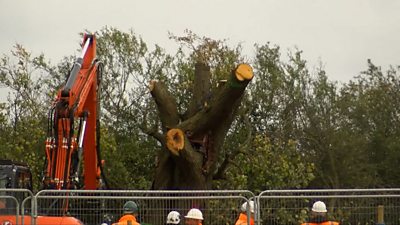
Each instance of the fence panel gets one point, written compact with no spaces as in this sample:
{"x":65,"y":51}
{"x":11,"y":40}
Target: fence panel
{"x":16,"y":206}
{"x":348,"y":207}
{"x":97,"y":207}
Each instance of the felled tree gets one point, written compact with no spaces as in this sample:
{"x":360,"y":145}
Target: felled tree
{"x":191,"y":141}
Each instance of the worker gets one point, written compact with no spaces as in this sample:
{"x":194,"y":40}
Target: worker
{"x":319,"y":215}
{"x":173,"y":217}
{"x":194,"y":217}
{"x":243,"y":219}
{"x":130,"y":211}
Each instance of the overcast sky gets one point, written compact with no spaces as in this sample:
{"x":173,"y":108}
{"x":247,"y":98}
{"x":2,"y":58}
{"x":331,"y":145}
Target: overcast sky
{"x":343,"y":34}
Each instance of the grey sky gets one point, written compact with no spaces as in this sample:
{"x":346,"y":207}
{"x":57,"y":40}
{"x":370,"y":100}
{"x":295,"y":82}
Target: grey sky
{"x":341,"y":33}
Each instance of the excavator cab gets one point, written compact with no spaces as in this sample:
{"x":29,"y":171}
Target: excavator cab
{"x":13,"y":176}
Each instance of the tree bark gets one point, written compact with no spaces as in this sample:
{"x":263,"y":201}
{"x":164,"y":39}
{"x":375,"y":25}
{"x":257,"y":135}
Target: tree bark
{"x":201,"y":89}
{"x":166,"y":104}
{"x":189,"y":154}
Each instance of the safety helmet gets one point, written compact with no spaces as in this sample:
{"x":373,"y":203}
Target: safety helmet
{"x":194,"y":214}
{"x":244,"y":206}
{"x":173,"y":217}
{"x":319,"y":207}
{"x":131,"y":207}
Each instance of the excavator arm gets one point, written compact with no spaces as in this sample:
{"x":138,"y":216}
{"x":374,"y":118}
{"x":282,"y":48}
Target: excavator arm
{"x":72,"y":144}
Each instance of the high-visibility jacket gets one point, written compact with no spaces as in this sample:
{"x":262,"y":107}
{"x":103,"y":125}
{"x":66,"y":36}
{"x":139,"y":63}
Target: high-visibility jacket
{"x":322,"y":223}
{"x":243,"y":220}
{"x":127,"y":220}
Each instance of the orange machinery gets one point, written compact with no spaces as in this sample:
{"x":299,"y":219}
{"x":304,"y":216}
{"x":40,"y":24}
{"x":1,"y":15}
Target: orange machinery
{"x":70,"y":149}
{"x":67,"y":144}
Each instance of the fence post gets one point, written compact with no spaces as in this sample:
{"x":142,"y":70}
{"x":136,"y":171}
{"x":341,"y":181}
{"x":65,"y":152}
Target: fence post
{"x":380,"y":215}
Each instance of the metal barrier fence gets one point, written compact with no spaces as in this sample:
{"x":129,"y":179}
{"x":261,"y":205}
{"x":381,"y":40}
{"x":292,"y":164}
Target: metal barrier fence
{"x":348,"y":207}
{"x":274,"y":207}
{"x":16,"y":206}
{"x":97,"y":207}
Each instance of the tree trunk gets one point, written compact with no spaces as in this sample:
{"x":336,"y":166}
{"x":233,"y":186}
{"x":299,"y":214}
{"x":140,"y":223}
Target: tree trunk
{"x":191,"y":144}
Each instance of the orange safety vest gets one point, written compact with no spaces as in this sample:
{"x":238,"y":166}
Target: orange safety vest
{"x":127,"y":220}
{"x":243,"y":220}
{"x":322,"y":223}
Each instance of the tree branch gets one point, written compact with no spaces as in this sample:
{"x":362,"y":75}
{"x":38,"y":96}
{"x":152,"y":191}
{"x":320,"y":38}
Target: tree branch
{"x":220,"y":174}
{"x":166,"y":104}
{"x":201,"y":89}
{"x":222,"y":104}
{"x":242,"y":149}
{"x":155,"y":134}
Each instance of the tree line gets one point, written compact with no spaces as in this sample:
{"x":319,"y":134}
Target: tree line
{"x":295,"y":128}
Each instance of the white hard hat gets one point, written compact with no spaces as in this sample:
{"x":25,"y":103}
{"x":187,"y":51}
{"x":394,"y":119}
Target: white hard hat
{"x":194,"y":214}
{"x":244,"y":207}
{"x":173,"y":217}
{"x":319,"y":207}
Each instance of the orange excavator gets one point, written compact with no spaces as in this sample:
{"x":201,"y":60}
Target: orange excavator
{"x":67,"y":144}
{"x":72,"y":148}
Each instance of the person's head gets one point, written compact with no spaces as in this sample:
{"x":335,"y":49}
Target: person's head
{"x":130,"y":207}
{"x":194,"y":217}
{"x":318,"y":211}
{"x":173,"y":217}
{"x":250,"y":205}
